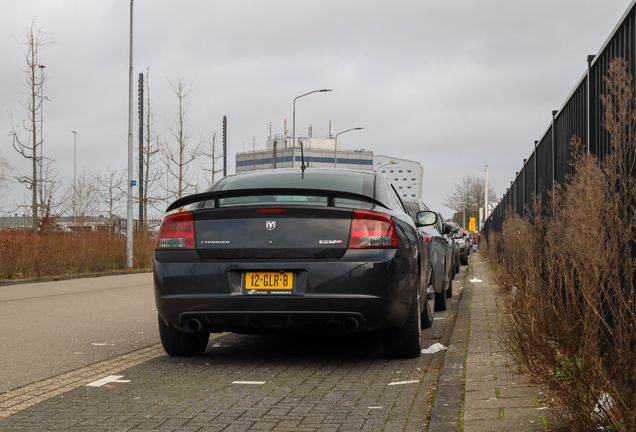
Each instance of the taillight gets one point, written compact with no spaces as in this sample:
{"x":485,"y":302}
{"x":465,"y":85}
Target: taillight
{"x":428,"y":238}
{"x":176,"y":232}
{"x":373,"y":230}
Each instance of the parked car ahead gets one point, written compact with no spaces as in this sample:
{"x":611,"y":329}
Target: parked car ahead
{"x":464,"y":246}
{"x":454,"y":237}
{"x":335,"y":251}
{"x":441,"y":254}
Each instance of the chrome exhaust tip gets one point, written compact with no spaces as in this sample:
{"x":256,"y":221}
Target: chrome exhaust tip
{"x":193,"y":325}
{"x":350,"y":324}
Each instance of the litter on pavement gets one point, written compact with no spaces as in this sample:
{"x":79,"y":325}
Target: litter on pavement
{"x":404,"y":382}
{"x":434,"y":348}
{"x":474,"y":280}
{"x":604,"y":405}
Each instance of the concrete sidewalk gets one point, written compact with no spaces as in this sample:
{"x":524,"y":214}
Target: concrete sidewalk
{"x":479,"y":390}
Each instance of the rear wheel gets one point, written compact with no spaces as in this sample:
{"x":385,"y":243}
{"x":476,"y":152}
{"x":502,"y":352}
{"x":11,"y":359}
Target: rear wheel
{"x":440,"y":297}
{"x":405,"y":342}
{"x":449,"y":290}
{"x":464,"y":259}
{"x":180,"y":344}
{"x":428,"y":314}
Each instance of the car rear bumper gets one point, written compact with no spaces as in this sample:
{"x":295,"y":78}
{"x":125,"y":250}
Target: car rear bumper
{"x":373,"y":287}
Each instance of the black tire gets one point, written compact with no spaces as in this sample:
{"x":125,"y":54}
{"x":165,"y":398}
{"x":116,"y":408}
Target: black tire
{"x":428,"y":314}
{"x":464,"y":260}
{"x":428,"y":311}
{"x":449,"y":290}
{"x":180,"y":344}
{"x":405,"y":342}
{"x":440,"y":297}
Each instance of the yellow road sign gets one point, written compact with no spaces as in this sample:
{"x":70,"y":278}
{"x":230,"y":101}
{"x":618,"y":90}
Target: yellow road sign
{"x":471,"y":224}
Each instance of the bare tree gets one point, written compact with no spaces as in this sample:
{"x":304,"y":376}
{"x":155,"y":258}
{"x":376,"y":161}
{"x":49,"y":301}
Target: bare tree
{"x":24,"y":137}
{"x":211,"y":151}
{"x":5,"y":170}
{"x":468,"y":197}
{"x":179,"y":156}
{"x":50,"y":200}
{"x":477,"y":192}
{"x":253,"y":154}
{"x":80,"y":199}
{"x":461,"y":200}
{"x":110,"y":189}
{"x":151,"y":153}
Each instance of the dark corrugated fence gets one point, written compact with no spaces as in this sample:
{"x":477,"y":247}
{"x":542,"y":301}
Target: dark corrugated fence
{"x":581,"y":115}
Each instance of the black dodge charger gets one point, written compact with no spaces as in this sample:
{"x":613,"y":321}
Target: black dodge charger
{"x":273,"y":250}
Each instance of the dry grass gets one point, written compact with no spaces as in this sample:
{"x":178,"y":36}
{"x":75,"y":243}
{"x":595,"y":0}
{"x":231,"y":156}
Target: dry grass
{"x":57,"y":253}
{"x":568,"y":270}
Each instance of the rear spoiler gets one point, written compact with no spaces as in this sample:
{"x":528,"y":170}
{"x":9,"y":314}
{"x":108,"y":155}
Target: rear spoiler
{"x":216,"y":195}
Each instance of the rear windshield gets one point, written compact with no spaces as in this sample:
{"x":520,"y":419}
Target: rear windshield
{"x":347,"y":182}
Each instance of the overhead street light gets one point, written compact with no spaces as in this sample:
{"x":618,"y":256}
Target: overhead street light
{"x":335,"y":147}
{"x":294,"y":123}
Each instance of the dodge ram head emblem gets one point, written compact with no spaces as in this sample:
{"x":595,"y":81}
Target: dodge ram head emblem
{"x":270,"y":225}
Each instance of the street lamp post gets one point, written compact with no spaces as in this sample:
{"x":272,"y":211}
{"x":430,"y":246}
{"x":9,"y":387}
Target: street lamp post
{"x":294,"y":118}
{"x":129,"y":207}
{"x":74,"y":162}
{"x":41,"y":123}
{"x":335,"y":147}
{"x":74,"y":173}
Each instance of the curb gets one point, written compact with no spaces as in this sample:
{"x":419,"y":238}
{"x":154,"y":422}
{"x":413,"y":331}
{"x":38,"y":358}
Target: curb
{"x":446,"y":412}
{"x":9,"y":282}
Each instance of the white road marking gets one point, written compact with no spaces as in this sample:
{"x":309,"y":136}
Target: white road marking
{"x":404,"y":382}
{"x":107,"y":380}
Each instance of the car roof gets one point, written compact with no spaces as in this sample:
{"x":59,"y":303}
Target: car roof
{"x":319,"y":171}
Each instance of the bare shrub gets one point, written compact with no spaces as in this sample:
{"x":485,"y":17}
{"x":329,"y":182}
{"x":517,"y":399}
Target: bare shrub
{"x":57,"y":253}
{"x":568,"y":270}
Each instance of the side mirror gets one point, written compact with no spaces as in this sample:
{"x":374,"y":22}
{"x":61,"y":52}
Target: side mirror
{"x":426,"y":218}
{"x":447,"y":229}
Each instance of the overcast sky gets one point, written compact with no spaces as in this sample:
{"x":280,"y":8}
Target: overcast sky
{"x":455,"y":84}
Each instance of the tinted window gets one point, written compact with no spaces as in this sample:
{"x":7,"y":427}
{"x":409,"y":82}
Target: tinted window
{"x":347,"y":182}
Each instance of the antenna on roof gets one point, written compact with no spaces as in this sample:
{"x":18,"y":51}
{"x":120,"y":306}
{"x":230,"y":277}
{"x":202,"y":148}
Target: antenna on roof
{"x":302,"y":158}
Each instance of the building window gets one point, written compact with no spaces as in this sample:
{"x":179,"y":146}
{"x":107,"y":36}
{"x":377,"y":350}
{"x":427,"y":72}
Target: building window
{"x":413,"y":179}
{"x":413,"y":195}
{"x":383,"y":171}
{"x":409,"y":171}
{"x":409,"y":187}
{"x":404,"y":179}
{"x":400,"y":171}
{"x":396,"y":179}
{"x":404,"y":194}
{"x":399,"y":187}
{"x":391,"y":170}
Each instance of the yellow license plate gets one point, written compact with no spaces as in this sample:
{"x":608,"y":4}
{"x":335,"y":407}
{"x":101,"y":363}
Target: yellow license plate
{"x":269,"y":280}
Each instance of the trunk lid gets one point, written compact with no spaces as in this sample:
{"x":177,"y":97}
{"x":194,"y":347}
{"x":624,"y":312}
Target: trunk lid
{"x":261,"y":233}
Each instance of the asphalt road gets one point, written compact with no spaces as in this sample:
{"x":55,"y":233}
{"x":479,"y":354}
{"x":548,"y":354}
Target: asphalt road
{"x":54,"y":327}
{"x":282,"y":382}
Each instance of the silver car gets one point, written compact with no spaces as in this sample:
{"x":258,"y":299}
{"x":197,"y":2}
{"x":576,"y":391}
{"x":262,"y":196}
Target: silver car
{"x":436,"y":233}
